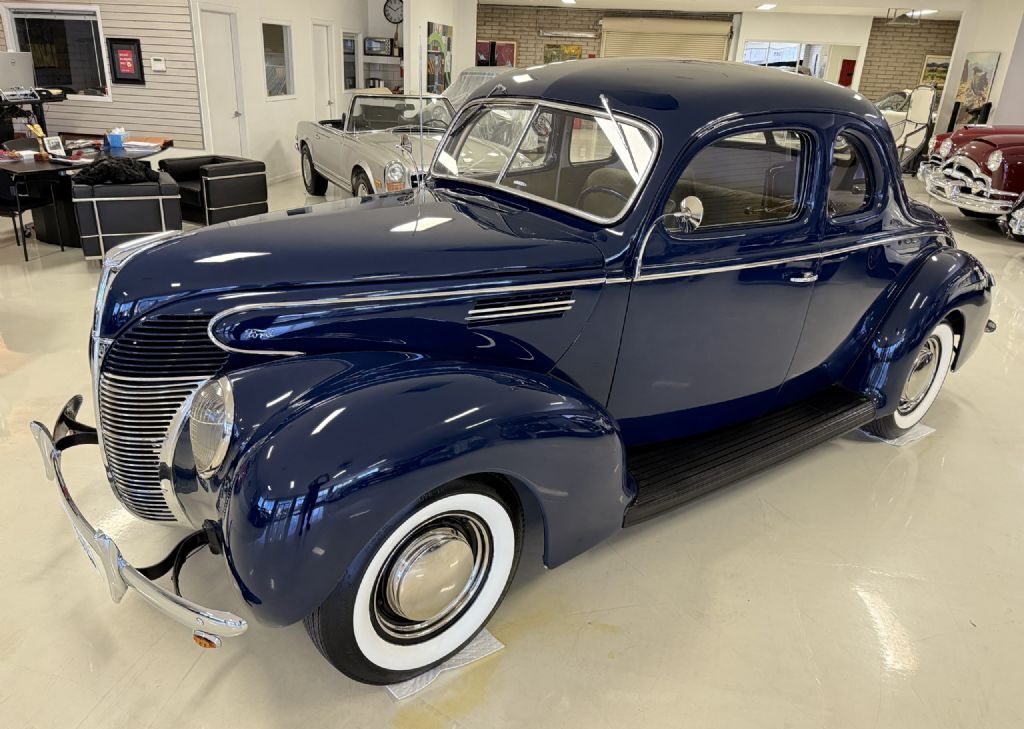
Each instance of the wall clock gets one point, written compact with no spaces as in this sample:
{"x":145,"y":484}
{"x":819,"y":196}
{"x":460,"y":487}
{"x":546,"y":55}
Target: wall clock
{"x":393,"y":11}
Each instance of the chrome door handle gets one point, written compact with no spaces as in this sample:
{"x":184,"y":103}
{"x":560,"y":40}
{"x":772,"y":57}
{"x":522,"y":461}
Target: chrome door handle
{"x":805,"y":277}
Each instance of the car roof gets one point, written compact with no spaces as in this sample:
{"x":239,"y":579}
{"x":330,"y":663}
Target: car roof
{"x":673,"y":92}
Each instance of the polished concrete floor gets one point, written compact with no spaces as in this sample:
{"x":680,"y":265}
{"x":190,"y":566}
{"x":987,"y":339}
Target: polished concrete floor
{"x":858,"y":585}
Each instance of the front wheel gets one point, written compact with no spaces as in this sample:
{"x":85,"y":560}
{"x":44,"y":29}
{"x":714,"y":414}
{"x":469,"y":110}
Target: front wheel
{"x":931,"y":365}
{"x":424,"y":590}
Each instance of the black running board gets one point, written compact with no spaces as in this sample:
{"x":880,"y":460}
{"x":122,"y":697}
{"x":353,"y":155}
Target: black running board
{"x":672,"y":473}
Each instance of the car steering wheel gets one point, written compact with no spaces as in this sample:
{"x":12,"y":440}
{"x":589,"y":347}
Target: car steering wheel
{"x":593,"y":189}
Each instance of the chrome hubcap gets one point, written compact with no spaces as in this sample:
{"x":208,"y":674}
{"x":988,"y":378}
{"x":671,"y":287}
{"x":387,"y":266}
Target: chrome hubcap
{"x":307,"y":169}
{"x":361,"y":191}
{"x":922,"y":375}
{"x":432,"y":577}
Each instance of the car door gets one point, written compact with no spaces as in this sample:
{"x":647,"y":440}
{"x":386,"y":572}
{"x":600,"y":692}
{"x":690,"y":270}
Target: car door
{"x":866,"y":244}
{"x":715,"y":314}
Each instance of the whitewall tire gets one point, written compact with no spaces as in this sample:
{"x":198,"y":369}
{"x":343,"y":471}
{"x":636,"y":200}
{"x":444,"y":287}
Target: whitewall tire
{"x":927,"y":374}
{"x":425,"y":590}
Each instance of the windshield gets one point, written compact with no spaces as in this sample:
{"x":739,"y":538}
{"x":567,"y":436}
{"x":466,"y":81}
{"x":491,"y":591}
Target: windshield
{"x":470,"y":80}
{"x":578,"y":160}
{"x":402,"y":113}
{"x":896,"y":101}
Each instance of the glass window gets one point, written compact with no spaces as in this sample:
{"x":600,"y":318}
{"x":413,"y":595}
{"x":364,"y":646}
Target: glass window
{"x":66,"y":48}
{"x":388,"y":111}
{"x":277,"y":59}
{"x":576,"y":160}
{"x":849,"y":187}
{"x":754,"y":177}
{"x":587,"y":142}
{"x":483,"y":143}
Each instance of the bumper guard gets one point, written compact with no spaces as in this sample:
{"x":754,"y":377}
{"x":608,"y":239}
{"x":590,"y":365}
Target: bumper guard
{"x":969,"y":196}
{"x":208,"y":625}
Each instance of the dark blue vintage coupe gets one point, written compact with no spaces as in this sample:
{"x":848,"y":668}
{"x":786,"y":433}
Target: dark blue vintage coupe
{"x":623,"y":284}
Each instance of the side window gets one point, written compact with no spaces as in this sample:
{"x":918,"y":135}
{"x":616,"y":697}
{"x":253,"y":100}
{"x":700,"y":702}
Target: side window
{"x":754,"y":177}
{"x":587,"y":142}
{"x":849,"y":186}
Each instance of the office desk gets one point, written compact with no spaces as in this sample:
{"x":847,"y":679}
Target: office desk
{"x":54,"y":223}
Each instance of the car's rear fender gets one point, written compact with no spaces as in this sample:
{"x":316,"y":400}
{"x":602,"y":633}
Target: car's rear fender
{"x":331,"y":451}
{"x":948,"y":284}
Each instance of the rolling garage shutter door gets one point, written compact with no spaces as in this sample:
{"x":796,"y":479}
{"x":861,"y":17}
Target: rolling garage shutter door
{"x":706,"y":39}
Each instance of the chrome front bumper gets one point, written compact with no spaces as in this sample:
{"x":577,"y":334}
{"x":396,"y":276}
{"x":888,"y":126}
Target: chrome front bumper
{"x":962,"y":194}
{"x":1015,"y":222}
{"x":208,"y":625}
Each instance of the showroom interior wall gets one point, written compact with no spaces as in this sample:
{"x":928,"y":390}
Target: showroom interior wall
{"x":168,"y":105}
{"x":523,"y":24}
{"x":896,"y":53}
{"x":989,"y":25}
{"x":270,"y":122}
{"x":846,"y":30}
{"x":461,"y":15}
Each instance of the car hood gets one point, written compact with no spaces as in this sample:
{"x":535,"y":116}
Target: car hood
{"x":388,"y":146}
{"x":374,"y":244}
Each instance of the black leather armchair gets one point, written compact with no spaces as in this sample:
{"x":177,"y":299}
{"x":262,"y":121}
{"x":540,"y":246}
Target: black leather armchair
{"x":109,"y":214}
{"x":216,"y":188}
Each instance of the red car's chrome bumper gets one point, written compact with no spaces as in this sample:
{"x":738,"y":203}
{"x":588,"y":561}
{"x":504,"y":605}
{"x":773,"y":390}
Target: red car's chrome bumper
{"x":971,"y":195}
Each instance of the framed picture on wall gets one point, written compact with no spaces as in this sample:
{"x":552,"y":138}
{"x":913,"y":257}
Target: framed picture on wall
{"x":125,"y":61}
{"x":562,"y":52}
{"x":936,"y":68}
{"x":495,"y":53}
{"x":439,"y":57}
{"x":976,"y":83}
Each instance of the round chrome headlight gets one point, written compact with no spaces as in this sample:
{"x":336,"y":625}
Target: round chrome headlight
{"x":994,"y":160}
{"x":946,"y":147}
{"x":211,"y":421}
{"x":394,"y":176}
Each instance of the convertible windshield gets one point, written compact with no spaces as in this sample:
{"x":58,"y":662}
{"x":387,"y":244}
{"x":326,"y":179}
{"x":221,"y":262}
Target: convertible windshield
{"x":386,"y":111}
{"x":578,"y":160}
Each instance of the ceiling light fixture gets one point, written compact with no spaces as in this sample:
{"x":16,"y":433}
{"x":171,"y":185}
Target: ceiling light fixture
{"x":569,"y":2}
{"x":767,"y":6}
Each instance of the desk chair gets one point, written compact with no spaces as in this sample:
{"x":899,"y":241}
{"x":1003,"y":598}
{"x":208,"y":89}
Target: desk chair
{"x":17,"y":198}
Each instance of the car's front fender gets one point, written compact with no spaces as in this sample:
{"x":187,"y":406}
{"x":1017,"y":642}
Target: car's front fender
{"x":333,"y":450}
{"x":947,"y":283}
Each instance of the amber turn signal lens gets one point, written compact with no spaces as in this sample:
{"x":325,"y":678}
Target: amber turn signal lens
{"x":395,"y":186}
{"x":205,"y":640}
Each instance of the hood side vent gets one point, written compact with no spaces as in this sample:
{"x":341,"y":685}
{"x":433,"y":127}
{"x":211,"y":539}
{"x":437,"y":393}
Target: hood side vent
{"x":503,"y":309}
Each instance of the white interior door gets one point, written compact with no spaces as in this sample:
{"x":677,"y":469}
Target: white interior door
{"x":323,"y":72}
{"x":223,"y":82}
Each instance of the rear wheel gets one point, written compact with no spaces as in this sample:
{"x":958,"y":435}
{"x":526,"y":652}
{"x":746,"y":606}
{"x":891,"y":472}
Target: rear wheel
{"x":424,"y":590}
{"x":316,"y":184}
{"x":931,"y":365}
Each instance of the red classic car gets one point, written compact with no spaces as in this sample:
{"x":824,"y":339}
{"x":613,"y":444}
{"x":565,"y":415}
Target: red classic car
{"x":978,"y":168}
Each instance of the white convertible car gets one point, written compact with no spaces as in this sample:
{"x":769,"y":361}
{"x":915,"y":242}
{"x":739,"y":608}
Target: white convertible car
{"x":375,"y":146}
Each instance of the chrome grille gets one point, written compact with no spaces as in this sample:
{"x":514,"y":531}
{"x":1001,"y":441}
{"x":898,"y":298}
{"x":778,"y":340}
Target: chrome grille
{"x":148,"y":374}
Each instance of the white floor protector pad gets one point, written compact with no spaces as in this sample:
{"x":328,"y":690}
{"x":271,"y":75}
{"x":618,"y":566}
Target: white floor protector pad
{"x":916,"y":433}
{"x":483,"y":645}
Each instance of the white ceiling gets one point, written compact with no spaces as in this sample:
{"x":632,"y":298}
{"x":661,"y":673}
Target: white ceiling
{"x":948,"y":9}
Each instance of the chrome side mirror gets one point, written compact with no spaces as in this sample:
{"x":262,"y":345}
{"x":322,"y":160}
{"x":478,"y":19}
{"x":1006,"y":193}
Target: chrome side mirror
{"x":691,"y":212}
{"x":688,"y":218}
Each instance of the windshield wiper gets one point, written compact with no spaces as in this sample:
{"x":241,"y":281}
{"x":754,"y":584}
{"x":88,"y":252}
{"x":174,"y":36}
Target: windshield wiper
{"x":622,"y":137}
